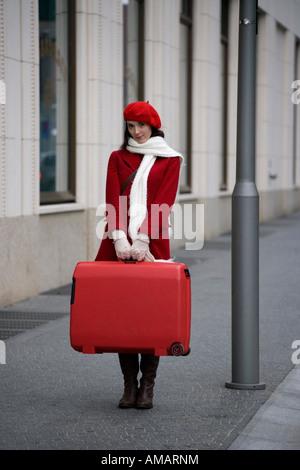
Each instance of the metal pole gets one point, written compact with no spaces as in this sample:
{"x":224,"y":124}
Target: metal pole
{"x":245,"y":216}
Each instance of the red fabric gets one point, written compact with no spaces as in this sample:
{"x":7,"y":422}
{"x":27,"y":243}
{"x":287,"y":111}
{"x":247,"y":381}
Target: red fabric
{"x":142,"y":112}
{"x":161,"y":193}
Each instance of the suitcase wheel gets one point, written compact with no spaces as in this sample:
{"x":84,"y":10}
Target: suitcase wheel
{"x":187,"y":353}
{"x":176,"y":349}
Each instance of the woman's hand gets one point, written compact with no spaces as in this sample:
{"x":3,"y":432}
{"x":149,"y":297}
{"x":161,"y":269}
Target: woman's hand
{"x":122,"y":245}
{"x":140,"y":247}
{"x":122,"y":248}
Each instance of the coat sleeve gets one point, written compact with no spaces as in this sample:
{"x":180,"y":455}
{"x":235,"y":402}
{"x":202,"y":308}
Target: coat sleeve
{"x":157,"y":221}
{"x":116,"y":206}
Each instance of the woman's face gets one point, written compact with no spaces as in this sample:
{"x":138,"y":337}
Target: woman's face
{"x":139,"y":131}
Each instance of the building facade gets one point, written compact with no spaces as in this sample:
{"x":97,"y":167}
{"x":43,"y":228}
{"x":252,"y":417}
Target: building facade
{"x":68,"y":68}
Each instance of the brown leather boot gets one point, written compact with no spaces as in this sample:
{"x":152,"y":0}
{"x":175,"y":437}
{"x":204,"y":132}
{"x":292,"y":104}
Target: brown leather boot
{"x":130,"y":368}
{"x":148,"y":366}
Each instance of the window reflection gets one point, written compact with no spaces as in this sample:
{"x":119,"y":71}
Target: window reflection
{"x":54,"y":21}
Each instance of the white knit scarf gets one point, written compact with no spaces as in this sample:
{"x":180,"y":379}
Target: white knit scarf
{"x":154,"y":147}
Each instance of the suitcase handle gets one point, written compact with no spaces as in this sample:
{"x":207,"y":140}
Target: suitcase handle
{"x":129,"y":261}
{"x":134,"y":261}
{"x":73,"y":291}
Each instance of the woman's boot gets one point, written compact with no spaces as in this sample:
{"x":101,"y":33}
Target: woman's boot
{"x":130,"y":368}
{"x":148,"y":366}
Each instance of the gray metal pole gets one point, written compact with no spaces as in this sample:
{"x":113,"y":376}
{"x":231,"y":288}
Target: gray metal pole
{"x":245,"y":216}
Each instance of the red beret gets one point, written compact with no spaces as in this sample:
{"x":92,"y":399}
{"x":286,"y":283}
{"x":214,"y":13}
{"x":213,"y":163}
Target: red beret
{"x":142,"y":112}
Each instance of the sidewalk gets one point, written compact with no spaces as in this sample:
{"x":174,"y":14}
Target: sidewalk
{"x":52,"y":397}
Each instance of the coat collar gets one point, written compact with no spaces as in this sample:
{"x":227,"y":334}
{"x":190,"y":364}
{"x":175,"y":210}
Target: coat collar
{"x":132,"y":160}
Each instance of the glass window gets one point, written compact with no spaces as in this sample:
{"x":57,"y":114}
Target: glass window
{"x":296,"y":110}
{"x":185,"y":92}
{"x":224,"y":93}
{"x":133,"y":53}
{"x":57,"y":100}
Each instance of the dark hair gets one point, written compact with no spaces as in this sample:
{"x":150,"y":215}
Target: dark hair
{"x":155,"y":133}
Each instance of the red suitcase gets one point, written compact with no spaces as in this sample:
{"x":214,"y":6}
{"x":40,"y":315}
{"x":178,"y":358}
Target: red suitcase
{"x":131,"y":307}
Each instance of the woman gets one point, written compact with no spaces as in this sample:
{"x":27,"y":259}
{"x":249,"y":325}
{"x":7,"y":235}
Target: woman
{"x":142,"y":178}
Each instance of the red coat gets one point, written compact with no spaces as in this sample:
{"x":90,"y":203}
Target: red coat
{"x":161,"y":190}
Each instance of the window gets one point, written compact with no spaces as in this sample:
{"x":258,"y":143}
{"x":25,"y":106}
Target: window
{"x":186,"y":92}
{"x":224,"y":93}
{"x":57,"y":100}
{"x":296,"y":112}
{"x":133,"y":53}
